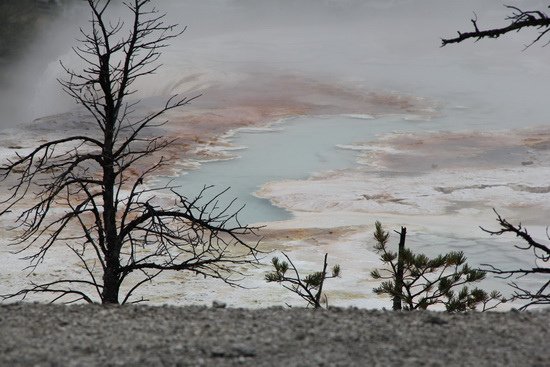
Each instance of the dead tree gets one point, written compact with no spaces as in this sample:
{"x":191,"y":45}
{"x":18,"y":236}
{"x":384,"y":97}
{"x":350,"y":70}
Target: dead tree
{"x":541,"y":254}
{"x":88,"y":192}
{"x":519,"y":20}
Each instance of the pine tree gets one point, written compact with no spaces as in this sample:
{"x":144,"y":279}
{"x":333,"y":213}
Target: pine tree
{"x":310,"y":287}
{"x":415,"y":281}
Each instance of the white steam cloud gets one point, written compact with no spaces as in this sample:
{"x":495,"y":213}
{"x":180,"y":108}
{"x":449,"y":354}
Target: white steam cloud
{"x":375,"y":44}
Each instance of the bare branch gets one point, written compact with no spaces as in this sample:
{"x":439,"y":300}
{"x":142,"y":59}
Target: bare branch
{"x":541,"y":252}
{"x":89,"y":191}
{"x":519,"y":20}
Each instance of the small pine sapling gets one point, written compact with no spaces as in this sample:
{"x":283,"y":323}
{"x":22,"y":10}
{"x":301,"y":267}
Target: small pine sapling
{"x":417,"y":282}
{"x":310,"y":287}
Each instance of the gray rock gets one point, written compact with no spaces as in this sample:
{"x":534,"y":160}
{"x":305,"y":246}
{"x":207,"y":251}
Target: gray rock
{"x":91,"y":335}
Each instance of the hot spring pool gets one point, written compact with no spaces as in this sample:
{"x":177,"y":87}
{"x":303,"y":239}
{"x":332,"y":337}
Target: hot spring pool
{"x":294,"y":148}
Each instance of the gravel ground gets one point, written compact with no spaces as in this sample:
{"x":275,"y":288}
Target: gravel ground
{"x":84,"y":335}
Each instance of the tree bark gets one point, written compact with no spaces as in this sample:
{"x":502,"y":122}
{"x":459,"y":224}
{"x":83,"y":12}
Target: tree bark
{"x":111,"y":277}
{"x":399,"y":276}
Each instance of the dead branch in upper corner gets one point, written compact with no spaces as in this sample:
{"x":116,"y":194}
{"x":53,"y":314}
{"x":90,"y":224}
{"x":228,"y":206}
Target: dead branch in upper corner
{"x":519,"y":19}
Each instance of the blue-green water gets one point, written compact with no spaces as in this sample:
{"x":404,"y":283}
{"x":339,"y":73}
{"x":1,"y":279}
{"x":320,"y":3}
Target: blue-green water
{"x":293,"y":149}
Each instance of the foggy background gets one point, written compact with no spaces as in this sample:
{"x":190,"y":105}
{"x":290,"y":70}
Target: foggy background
{"x":372,"y":44}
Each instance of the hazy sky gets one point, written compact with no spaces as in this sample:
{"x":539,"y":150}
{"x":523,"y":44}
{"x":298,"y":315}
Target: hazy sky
{"x":376,"y":44}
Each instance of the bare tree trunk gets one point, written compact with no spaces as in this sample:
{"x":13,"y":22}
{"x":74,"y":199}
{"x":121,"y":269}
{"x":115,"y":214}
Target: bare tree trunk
{"x":111,"y":277}
{"x":111,"y":282}
{"x":320,"y":290}
{"x":399,"y":275}
{"x":92,"y":179}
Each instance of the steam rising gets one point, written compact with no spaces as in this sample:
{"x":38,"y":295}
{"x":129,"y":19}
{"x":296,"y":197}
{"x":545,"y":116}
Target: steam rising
{"x":372,"y":44}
